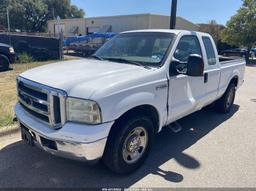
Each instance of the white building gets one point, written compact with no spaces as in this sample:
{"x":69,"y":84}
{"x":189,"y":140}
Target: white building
{"x":117,"y":24}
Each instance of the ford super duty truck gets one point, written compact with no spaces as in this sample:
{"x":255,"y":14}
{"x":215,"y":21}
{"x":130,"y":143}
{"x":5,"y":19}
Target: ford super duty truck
{"x":111,"y":106}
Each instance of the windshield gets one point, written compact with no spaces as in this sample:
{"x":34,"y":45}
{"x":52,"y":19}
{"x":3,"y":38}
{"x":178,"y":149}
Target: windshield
{"x":144,"y":48}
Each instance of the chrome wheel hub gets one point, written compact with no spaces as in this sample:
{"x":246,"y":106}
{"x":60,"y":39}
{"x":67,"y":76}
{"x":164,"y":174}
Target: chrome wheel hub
{"x":135,"y":145}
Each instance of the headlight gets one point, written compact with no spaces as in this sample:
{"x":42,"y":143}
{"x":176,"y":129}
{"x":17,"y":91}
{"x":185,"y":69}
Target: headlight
{"x":11,"y":50}
{"x":83,"y":111}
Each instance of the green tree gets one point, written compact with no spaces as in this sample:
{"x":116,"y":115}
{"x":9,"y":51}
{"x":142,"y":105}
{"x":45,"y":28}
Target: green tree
{"x":63,"y":9}
{"x":36,"y":15}
{"x":241,"y":28}
{"x":213,"y":28}
{"x":14,"y":6}
{"x":32,"y":15}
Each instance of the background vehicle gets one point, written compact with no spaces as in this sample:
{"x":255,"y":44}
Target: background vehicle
{"x":240,"y":52}
{"x":253,"y":52}
{"x":7,"y":56}
{"x":112,"y":105}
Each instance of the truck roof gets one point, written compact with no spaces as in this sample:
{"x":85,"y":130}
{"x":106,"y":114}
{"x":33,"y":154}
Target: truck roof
{"x":166,"y":31}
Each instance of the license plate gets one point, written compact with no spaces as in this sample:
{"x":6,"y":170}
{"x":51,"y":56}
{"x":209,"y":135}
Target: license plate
{"x":26,"y":136}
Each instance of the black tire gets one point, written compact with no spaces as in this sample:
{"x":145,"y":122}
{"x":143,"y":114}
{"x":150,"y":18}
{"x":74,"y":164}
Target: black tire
{"x":4,"y":62}
{"x":114,"y":153}
{"x":226,"y":102}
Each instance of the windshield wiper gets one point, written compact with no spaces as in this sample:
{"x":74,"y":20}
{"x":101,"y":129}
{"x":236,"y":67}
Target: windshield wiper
{"x":96,"y":57}
{"x":122,"y":60}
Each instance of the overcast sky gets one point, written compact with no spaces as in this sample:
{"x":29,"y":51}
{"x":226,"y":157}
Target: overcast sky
{"x":197,"y":11}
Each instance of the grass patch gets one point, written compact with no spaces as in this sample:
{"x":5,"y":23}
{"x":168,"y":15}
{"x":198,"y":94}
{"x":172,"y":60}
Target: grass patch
{"x":6,"y":117}
{"x":8,"y":93}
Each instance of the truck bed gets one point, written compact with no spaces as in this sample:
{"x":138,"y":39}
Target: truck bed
{"x":226,"y":60}
{"x":231,"y":66}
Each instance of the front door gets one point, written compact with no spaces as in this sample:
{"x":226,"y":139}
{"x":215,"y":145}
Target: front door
{"x":185,"y":92}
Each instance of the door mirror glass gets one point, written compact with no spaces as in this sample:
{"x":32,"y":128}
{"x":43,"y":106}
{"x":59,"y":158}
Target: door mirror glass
{"x":195,"y":65}
{"x":178,"y":67}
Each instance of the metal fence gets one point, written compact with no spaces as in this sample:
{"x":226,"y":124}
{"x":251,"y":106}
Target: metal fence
{"x":40,"y":46}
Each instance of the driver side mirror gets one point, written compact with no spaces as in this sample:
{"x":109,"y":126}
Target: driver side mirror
{"x":195,"y":65}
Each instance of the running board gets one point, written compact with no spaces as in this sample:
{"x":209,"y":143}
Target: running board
{"x":175,"y":127}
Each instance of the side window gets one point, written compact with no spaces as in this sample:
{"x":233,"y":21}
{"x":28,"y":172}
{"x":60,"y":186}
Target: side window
{"x":188,"y":45}
{"x":209,"y":51}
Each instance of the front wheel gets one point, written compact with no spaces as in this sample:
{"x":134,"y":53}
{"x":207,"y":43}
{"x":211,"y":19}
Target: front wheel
{"x":4,"y":63}
{"x":129,"y":145}
{"x":225,"y":103}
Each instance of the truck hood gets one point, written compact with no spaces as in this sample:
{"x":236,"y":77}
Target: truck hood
{"x":81,"y":78}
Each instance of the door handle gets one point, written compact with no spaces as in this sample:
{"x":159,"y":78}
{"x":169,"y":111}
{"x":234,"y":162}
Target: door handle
{"x":205,"y":77}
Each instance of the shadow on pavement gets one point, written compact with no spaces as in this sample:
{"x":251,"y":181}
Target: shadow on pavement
{"x":251,"y":65}
{"x":24,"y":166}
{"x":7,"y":70}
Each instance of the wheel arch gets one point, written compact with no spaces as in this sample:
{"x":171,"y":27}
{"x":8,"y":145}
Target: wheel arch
{"x":235,"y":80}
{"x":5,"y":66}
{"x":146,"y":109}
{"x":5,"y":55}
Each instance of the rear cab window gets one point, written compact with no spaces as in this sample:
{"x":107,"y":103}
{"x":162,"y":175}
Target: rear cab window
{"x":211,"y":56}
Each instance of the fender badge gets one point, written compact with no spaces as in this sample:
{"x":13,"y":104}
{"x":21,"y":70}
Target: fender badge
{"x":163,"y":86}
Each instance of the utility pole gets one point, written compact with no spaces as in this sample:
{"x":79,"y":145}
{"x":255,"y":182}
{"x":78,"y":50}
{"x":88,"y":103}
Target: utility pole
{"x":8,"y":20}
{"x":8,"y":23}
{"x":53,"y":14}
{"x":173,"y":14}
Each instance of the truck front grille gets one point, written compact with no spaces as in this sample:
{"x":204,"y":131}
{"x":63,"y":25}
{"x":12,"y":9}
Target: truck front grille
{"x":44,"y":103}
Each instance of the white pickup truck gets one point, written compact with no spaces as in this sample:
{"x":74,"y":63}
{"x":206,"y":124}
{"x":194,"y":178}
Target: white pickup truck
{"x":111,"y":105}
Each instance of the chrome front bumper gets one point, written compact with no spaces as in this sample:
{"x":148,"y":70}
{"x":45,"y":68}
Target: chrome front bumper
{"x":73,"y":141}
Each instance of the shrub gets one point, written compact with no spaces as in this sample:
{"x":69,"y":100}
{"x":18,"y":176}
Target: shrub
{"x":24,"y":58}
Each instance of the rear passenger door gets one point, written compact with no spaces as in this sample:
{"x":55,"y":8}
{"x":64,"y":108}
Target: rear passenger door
{"x":212,"y":70}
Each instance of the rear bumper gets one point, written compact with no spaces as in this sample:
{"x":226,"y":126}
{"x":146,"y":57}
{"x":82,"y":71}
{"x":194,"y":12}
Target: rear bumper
{"x":73,"y":141}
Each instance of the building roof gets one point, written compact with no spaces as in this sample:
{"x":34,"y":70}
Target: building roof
{"x":132,"y":15}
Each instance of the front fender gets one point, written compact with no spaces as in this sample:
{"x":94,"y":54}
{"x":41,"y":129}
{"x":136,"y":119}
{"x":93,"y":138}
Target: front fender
{"x":132,"y":101}
{"x":114,"y":108}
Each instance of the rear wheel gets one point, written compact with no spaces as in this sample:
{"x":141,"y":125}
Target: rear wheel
{"x":4,"y":62}
{"x":129,"y":145}
{"x":225,"y":103}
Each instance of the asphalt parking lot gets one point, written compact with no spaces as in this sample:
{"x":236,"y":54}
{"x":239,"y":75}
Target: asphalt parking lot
{"x":213,"y":150}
